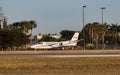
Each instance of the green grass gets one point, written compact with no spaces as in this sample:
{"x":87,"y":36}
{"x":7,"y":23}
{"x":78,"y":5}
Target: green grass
{"x":59,"y":66}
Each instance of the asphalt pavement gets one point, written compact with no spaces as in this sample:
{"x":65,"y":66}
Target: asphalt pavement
{"x":55,"y":56}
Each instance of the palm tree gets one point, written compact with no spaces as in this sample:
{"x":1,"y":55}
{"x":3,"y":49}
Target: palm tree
{"x":114,"y":29}
{"x":33,"y":25}
{"x":96,"y":31}
{"x":24,"y":26}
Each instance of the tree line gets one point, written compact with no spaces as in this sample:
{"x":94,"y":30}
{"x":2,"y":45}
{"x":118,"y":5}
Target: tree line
{"x":97,"y":35}
{"x":16,"y":35}
{"x":102,"y":35}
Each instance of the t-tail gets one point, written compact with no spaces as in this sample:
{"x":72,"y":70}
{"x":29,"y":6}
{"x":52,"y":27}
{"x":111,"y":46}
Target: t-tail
{"x":75,"y":37}
{"x":74,"y":40}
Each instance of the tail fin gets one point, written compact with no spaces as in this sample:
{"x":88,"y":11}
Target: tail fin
{"x":73,"y":41}
{"x":75,"y":36}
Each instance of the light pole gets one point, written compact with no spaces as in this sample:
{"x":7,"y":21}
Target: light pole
{"x":83,"y":27}
{"x":102,"y":8}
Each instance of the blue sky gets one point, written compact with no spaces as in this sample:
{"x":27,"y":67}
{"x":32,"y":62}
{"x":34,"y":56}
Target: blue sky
{"x":52,"y":16}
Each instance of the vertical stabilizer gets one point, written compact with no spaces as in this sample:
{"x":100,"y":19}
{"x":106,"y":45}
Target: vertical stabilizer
{"x":75,"y":36}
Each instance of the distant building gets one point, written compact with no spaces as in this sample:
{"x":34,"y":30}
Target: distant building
{"x":39,"y":37}
{"x":54,"y":36}
{"x":36,"y":38}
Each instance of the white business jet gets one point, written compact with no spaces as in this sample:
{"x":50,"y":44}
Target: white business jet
{"x":55,"y":45}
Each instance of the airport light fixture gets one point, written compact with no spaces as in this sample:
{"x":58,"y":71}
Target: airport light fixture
{"x":102,"y":8}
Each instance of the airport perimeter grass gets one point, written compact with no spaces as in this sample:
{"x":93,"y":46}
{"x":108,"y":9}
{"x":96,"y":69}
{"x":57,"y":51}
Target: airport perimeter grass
{"x":60,"y":66}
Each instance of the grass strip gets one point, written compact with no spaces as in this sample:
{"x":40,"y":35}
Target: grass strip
{"x":60,"y":66}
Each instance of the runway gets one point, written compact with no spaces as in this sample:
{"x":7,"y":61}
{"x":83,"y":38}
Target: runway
{"x":81,"y":56}
{"x":56,"y":56}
